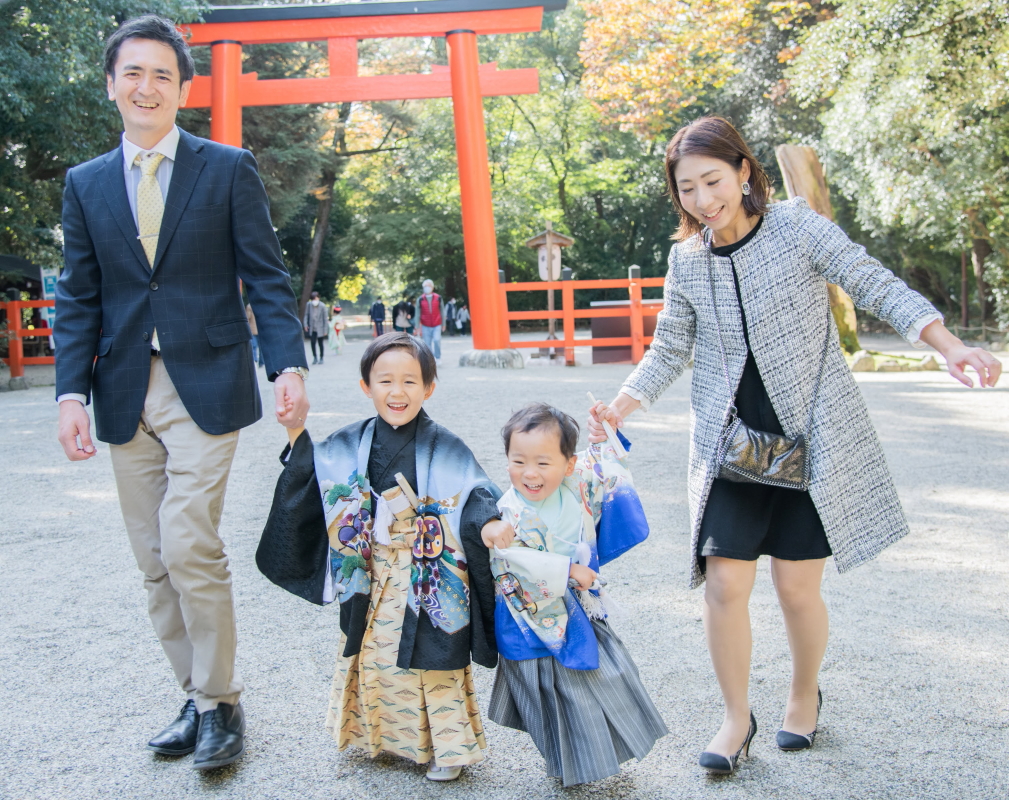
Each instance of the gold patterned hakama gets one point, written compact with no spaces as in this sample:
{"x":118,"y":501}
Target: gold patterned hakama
{"x":419,"y":714}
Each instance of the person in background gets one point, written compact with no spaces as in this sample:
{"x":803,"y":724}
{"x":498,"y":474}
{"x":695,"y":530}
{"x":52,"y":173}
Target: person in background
{"x":336,"y":326}
{"x":377,"y":316}
{"x":462,"y":319}
{"x":316,"y":324}
{"x":432,"y":324}
{"x":402,"y":315}
{"x":257,"y":356}
{"x":450,"y":317}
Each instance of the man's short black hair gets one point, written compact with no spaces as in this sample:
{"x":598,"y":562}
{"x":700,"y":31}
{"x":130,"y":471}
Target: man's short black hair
{"x":541,"y":415}
{"x":403,"y":341}
{"x":157,"y":29}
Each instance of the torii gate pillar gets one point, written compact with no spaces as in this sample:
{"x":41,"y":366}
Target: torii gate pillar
{"x":480,"y":241}
{"x":225,"y":104}
{"x":465,"y":80}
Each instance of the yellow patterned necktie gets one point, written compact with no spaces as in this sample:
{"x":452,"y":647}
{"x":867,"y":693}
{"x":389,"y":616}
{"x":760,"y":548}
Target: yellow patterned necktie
{"x":150,"y":210}
{"x":150,"y":203}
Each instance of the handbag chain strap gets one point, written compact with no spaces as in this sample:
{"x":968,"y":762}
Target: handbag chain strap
{"x":721,"y":345}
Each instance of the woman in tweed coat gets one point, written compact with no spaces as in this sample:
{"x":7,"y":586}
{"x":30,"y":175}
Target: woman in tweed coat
{"x":764,"y":271}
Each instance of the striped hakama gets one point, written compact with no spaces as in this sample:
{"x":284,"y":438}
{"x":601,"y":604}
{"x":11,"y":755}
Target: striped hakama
{"x":586,"y":723}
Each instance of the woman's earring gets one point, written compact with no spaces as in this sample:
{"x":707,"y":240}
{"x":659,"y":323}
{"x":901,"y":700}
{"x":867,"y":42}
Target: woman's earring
{"x":746,"y":187}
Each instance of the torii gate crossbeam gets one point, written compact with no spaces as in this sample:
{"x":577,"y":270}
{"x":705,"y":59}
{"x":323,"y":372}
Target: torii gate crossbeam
{"x":465,"y":80}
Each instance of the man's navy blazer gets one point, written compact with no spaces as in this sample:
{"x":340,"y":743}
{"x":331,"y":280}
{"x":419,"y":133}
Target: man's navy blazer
{"x":216,"y":229}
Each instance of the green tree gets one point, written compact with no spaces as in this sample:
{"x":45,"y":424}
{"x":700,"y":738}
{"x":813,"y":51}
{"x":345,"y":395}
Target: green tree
{"x":915,"y":132}
{"x":54,"y":112}
{"x":553,"y":156}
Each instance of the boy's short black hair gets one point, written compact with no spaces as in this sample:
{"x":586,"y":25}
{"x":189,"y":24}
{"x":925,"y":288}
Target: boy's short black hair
{"x":404,"y":341}
{"x":157,"y":29}
{"x":541,"y":415}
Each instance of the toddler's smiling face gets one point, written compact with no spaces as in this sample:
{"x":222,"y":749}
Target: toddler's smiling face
{"x":536,"y":465}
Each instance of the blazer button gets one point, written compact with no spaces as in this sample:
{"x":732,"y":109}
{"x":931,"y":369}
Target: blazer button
{"x":147,"y":336}
{"x":154,"y":286}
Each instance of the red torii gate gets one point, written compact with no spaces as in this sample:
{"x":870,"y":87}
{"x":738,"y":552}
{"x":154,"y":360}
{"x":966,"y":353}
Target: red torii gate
{"x":465,"y":80}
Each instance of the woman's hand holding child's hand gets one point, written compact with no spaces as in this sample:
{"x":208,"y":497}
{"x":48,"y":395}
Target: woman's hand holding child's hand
{"x":585,"y":576}
{"x":497,"y":533}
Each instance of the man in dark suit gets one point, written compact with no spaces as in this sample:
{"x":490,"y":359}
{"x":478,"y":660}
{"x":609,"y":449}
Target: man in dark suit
{"x":150,"y":322}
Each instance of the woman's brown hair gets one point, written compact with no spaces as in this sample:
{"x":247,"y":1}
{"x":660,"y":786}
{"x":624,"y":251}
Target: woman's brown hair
{"x":714,"y":137}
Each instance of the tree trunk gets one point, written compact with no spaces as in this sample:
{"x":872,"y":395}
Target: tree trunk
{"x":980,"y":251}
{"x":321,"y":231}
{"x":803,"y":176}
{"x":964,"y":291}
{"x":330,"y":175}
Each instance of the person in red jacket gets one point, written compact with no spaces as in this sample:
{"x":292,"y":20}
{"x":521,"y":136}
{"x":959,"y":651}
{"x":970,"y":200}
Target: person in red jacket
{"x":432,"y":321}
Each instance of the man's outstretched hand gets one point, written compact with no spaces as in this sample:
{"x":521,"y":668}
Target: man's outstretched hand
{"x":292,"y":400}
{"x":75,"y":431}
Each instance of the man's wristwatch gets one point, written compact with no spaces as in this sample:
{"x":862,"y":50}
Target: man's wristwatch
{"x":302,"y":371}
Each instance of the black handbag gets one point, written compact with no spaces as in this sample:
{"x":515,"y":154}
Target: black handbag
{"x":746,"y":455}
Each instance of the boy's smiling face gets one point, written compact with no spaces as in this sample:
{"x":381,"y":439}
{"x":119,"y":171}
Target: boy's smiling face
{"x":536,"y":465}
{"x":396,"y":386}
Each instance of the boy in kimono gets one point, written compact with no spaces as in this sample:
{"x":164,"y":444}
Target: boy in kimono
{"x":564,"y":676}
{"x":386,"y":517}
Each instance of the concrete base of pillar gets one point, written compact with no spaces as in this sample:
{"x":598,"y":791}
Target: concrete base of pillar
{"x":509,"y":358}
{"x":17,"y":383}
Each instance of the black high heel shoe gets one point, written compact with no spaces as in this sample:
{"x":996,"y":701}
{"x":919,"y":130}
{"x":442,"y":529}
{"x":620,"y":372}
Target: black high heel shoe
{"x":799,"y":741}
{"x":725,"y":765}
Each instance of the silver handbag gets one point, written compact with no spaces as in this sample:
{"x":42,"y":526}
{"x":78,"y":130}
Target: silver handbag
{"x":746,"y":455}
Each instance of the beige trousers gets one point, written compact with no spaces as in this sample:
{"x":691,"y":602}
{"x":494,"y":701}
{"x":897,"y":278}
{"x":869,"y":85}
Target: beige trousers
{"x":171,"y":479}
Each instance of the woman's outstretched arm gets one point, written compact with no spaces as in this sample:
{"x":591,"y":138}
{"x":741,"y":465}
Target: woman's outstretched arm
{"x":671,"y":349}
{"x":877,"y":290}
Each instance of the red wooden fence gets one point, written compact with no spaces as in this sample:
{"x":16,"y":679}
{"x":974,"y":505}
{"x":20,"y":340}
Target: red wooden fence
{"x":568,"y":313}
{"x":16,"y":332}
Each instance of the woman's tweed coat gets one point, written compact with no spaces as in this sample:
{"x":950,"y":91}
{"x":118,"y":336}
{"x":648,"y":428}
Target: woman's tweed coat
{"x":783,"y":273}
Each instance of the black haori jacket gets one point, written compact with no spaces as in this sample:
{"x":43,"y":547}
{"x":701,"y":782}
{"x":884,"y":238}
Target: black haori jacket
{"x":318,"y":544}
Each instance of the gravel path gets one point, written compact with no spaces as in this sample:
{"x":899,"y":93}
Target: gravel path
{"x":915,"y":681}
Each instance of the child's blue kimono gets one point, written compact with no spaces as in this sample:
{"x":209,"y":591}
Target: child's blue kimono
{"x":564,"y":676}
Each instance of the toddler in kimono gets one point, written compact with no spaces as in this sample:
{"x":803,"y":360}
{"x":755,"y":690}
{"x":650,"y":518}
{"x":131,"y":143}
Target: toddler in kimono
{"x":385,"y":516}
{"x":564,"y":676}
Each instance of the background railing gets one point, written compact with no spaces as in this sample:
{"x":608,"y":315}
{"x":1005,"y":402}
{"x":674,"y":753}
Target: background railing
{"x":568,"y":313}
{"x":16,"y":333}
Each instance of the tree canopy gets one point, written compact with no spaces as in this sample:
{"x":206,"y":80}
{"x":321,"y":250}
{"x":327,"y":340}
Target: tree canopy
{"x":904,"y":101}
{"x":53,"y":109}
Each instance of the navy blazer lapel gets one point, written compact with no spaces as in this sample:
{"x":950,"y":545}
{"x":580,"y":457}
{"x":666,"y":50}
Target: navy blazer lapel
{"x":114,"y":189}
{"x":185,"y":172}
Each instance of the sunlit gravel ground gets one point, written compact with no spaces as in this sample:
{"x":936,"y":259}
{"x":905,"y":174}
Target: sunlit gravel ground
{"x":915,"y":682}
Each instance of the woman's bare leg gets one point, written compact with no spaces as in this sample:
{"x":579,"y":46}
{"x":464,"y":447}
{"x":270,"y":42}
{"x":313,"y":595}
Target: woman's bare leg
{"x":727,"y":625}
{"x":798,"y":586}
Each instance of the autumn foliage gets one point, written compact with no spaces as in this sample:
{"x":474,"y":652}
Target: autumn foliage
{"x":647,"y":60}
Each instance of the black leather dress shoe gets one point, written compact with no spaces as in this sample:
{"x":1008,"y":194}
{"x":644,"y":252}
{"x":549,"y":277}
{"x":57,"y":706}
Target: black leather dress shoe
{"x":221,"y":738}
{"x":178,"y":738}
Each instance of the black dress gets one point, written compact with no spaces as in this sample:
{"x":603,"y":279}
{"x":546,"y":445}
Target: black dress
{"x":747,"y":520}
